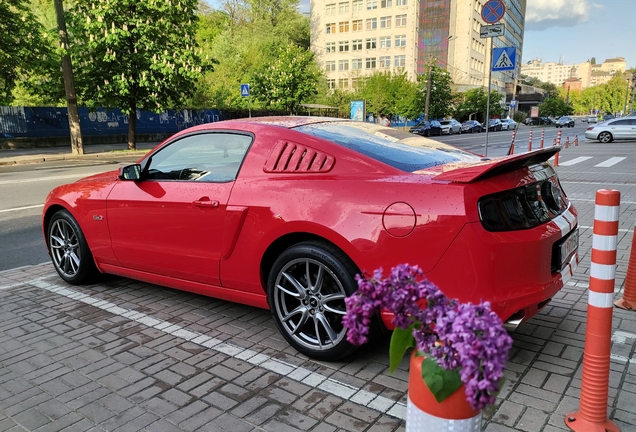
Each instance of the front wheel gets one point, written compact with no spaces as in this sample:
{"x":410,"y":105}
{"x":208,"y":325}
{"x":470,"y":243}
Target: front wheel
{"x":69,"y":251}
{"x":605,"y":137}
{"x":306,"y":290}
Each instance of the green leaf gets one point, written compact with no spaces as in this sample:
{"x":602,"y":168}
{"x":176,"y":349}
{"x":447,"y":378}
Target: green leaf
{"x":441,"y":382}
{"x":401,"y":340}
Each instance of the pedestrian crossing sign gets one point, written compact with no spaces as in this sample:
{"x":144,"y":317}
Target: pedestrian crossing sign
{"x":504,"y":59}
{"x":245,"y":90}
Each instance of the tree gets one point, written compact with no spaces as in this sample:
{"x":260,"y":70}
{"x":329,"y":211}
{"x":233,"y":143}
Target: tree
{"x":391,"y":94}
{"x":23,"y":45}
{"x":473,"y":104}
{"x":441,"y":100}
{"x":555,"y":106}
{"x":289,"y":79}
{"x":131,"y":54}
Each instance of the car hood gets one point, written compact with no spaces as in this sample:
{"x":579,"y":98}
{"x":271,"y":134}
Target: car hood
{"x":462,"y":172}
{"x":105,"y":176}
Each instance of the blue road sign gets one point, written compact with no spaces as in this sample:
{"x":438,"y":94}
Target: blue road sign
{"x":504,"y":58}
{"x":493,"y":11}
{"x":513,"y":103}
{"x":245,"y":90}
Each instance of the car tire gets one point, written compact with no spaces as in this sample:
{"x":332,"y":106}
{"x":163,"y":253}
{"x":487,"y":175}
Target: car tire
{"x":69,"y":250}
{"x":306,"y":289}
{"x":605,"y":137}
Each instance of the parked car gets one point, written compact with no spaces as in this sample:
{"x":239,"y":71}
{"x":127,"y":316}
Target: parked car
{"x":592,"y":119}
{"x":606,"y":132}
{"x":451,"y":126}
{"x":608,"y":117}
{"x":537,"y":121}
{"x":283,"y":212}
{"x":494,"y":125}
{"x":427,"y":128}
{"x":564,"y":121}
{"x":472,"y":126}
{"x":508,"y":124}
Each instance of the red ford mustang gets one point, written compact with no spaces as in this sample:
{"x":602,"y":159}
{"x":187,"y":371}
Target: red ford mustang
{"x":281,"y":213}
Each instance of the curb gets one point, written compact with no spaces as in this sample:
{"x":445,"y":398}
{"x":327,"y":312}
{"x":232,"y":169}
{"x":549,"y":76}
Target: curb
{"x":46,"y":158}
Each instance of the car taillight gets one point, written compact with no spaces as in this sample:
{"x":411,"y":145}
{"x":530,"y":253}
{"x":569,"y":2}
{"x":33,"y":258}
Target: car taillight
{"x":590,"y":128}
{"x":524,"y":207}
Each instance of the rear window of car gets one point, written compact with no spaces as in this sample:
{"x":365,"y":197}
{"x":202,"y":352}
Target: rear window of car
{"x":399,"y":149}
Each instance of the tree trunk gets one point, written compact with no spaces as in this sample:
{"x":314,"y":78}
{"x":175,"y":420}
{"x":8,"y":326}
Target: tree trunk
{"x":132,"y":122}
{"x":77,"y":146}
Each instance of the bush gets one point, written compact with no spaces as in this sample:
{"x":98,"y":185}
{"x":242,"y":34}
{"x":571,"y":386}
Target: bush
{"x":519,"y":116}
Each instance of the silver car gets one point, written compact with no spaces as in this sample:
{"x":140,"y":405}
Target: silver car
{"x":508,"y":124}
{"x":451,"y":126}
{"x":621,"y":128}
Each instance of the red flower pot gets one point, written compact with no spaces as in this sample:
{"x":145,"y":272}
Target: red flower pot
{"x":424,"y":413}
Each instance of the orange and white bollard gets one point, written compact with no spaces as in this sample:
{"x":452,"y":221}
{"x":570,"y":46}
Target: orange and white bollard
{"x":424,"y":413}
{"x":576,"y":140}
{"x":558,"y":138}
{"x":566,"y":144}
{"x":511,"y":150}
{"x":592,"y":415}
{"x":530,"y":141}
{"x":542,"y":136}
{"x":628,"y":301}
{"x":556,"y":159}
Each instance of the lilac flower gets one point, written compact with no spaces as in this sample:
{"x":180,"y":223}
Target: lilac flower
{"x":464,"y":337}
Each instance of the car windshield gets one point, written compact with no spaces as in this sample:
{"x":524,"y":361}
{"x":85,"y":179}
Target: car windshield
{"x":399,"y":149}
{"x":445,"y":122}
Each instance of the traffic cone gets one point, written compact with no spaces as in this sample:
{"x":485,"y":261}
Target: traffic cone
{"x":530,"y":141}
{"x":628,"y":301}
{"x":592,"y":414}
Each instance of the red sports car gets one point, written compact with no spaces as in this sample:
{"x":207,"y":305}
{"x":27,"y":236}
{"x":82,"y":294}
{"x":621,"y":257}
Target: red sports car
{"x":283,"y":212}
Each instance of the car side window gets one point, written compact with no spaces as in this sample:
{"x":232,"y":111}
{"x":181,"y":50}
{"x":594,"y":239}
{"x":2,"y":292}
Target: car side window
{"x":206,"y":157}
{"x":620,"y":122}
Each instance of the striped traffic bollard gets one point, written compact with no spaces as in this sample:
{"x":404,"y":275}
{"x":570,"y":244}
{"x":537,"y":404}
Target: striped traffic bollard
{"x":566,"y":144}
{"x":628,"y":301}
{"x":559,"y":137}
{"x":556,"y":158}
{"x":592,"y":414}
{"x":511,"y":150}
{"x":542,"y":136}
{"x":576,"y":140}
{"x":530,"y":141}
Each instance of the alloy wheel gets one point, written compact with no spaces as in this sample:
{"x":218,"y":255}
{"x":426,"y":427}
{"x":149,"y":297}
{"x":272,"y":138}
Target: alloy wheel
{"x":65,"y":248}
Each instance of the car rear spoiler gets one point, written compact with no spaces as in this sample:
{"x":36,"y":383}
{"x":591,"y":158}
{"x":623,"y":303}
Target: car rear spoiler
{"x":461,"y":173}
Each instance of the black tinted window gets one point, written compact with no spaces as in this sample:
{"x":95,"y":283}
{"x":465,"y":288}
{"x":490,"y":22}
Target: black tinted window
{"x":624,"y":122}
{"x":399,"y":149}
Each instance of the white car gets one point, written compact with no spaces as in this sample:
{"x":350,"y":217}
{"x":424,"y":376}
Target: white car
{"x":508,"y":124}
{"x":592,"y":119}
{"x":620,"y":128}
{"x":451,"y":126}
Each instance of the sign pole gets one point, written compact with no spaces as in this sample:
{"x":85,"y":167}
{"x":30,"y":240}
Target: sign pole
{"x":488,"y":100}
{"x":249,"y":105}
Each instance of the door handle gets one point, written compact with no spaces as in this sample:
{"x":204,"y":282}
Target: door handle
{"x":205,"y":203}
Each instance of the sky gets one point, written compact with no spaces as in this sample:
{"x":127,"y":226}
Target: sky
{"x":578,"y":30}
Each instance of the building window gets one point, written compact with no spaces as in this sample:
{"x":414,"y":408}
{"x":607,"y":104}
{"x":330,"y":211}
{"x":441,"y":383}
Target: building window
{"x":385,"y":22}
{"x":357,"y":25}
{"x":370,"y":62}
{"x":343,"y":65}
{"x":356,"y":64}
{"x":372,"y":4}
{"x":399,"y":61}
{"x":343,"y":7}
{"x":400,"y":20}
{"x":357,"y":5}
{"x":400,"y":41}
{"x":330,"y":66}
{"x":330,"y":28}
{"x":372,"y":23}
{"x":343,"y":46}
{"x":371,"y":43}
{"x":330,"y":9}
{"x":386,"y":3}
{"x":356,"y":45}
{"x":400,"y":2}
{"x":343,"y":83}
{"x":330,"y":47}
{"x":385,"y":42}
{"x":331,"y":83}
{"x":343,"y":26}
{"x":385,"y":62}
{"x":355,"y":82}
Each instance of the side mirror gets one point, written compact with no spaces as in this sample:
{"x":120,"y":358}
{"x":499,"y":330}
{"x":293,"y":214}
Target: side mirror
{"x":130,"y":172}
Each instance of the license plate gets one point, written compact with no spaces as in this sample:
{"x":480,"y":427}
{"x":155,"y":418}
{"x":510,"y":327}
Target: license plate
{"x":569,"y":246}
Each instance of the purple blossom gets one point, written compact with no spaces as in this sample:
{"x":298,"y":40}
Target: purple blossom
{"x":463,"y":336}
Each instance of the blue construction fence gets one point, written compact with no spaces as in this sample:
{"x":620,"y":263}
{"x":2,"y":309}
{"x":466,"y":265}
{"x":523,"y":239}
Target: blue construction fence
{"x":17,"y":122}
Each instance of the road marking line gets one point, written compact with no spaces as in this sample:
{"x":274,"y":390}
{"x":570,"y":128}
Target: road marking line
{"x":17,"y":284}
{"x":21,"y":208}
{"x":299,"y":374}
{"x":610,"y":162}
{"x":575,"y":161}
{"x":621,"y":337}
{"x":622,"y":359}
{"x":37,"y":179}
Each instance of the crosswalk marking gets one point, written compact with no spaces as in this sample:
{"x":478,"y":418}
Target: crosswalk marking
{"x":610,"y":162}
{"x":575,"y":161}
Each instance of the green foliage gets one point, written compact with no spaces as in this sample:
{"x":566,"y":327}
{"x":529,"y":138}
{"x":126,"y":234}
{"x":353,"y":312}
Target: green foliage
{"x":130,"y":54}
{"x":289,"y":79}
{"x":401,"y":341}
{"x":390,"y":94}
{"x":555,"y":106}
{"x":23,"y":45}
{"x":441,"y":100}
{"x":474,"y":102}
